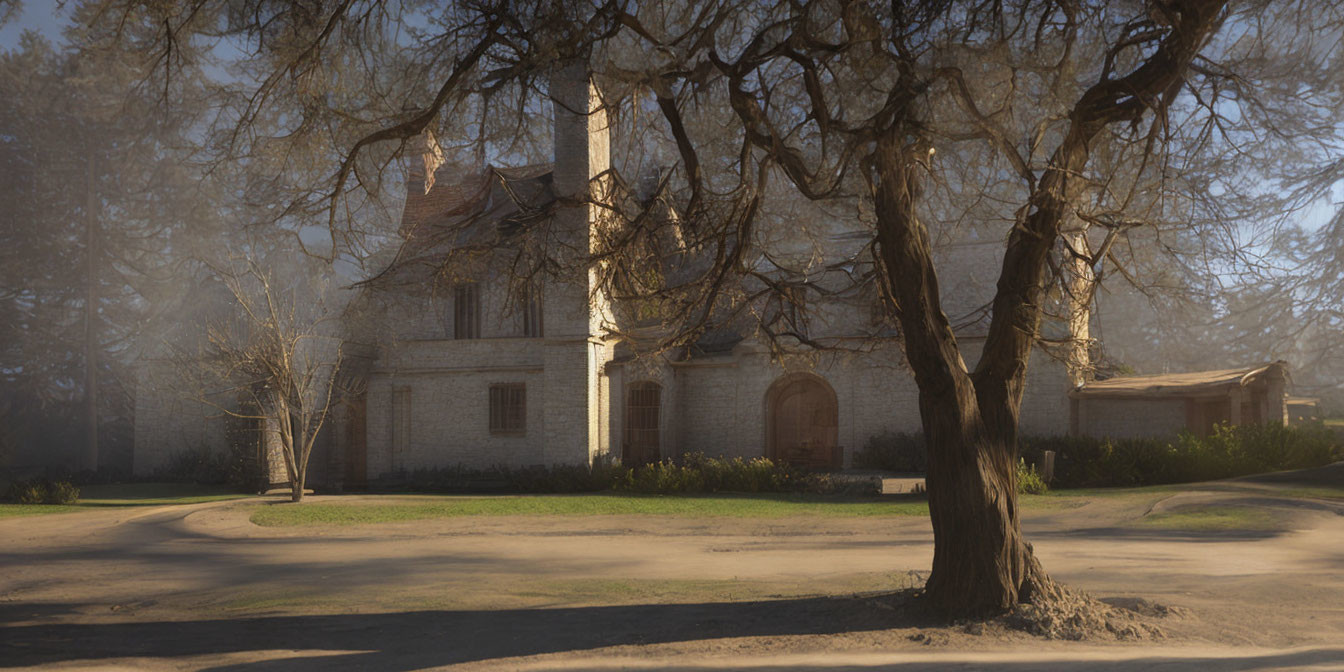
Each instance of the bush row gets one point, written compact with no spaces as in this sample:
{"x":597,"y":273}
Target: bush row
{"x":693,"y":473}
{"x":42,"y":491}
{"x":1083,"y":462}
{"x":1229,"y":451}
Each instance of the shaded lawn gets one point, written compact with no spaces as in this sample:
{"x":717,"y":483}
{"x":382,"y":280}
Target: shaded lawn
{"x":1211,"y":519}
{"x":129,"y":494}
{"x":1319,"y":492}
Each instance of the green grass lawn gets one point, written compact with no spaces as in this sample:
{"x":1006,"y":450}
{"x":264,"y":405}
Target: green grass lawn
{"x":1211,"y":519}
{"x":603,"y":504}
{"x":128,"y":494}
{"x":424,"y":507}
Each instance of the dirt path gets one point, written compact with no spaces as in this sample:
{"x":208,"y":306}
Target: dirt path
{"x":199,"y":587}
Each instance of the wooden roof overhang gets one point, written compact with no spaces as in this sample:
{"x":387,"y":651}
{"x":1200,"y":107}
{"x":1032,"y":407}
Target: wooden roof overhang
{"x":1196,"y":384}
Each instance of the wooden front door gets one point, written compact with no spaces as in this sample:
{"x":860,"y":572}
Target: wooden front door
{"x":356,"y":447}
{"x":803,"y":423}
{"x":642,"y":420}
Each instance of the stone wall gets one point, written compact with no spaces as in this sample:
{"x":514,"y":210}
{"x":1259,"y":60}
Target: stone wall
{"x":443,"y":387}
{"x":717,"y":405}
{"x":170,"y":417}
{"x":1131,"y":418}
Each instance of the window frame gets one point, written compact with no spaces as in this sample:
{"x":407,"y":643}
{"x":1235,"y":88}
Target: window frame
{"x":466,"y":311}
{"x":507,"y":409}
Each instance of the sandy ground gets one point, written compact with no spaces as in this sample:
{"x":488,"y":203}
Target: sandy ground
{"x":199,"y":587}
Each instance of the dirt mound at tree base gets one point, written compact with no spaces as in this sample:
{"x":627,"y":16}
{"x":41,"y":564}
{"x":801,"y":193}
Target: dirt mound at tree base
{"x":1072,"y":616}
{"x":1076,"y":616}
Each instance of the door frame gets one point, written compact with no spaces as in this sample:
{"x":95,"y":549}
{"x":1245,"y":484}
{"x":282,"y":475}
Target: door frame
{"x":773,"y":398}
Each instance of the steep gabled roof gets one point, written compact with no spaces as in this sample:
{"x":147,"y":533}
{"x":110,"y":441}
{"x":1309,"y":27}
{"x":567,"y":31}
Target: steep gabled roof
{"x":462,"y":213}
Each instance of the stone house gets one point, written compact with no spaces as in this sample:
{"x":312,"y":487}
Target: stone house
{"x":478,"y":367}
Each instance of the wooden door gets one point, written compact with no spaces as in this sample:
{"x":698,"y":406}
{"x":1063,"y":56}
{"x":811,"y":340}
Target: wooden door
{"x":804,"y":423}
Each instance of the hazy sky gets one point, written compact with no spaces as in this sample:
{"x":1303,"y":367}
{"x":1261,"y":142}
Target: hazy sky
{"x":45,"y":17}
{"x":38,"y":15}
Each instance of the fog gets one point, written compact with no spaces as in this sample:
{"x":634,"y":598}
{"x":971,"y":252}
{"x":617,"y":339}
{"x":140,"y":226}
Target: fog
{"x":140,"y":162}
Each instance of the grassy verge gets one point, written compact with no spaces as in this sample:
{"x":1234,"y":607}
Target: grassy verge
{"x":1318,"y":492}
{"x":1120,"y":492}
{"x":606,"y":504}
{"x":1211,"y":519}
{"x":127,"y":495}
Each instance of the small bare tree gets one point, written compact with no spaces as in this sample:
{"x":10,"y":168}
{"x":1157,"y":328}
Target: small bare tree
{"x":280,"y":351}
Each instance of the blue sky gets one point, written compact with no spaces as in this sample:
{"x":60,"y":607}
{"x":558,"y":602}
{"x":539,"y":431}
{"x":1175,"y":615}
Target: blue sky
{"x":42,"y":16}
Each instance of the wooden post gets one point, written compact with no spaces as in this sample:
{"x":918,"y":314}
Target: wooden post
{"x":1048,"y":469}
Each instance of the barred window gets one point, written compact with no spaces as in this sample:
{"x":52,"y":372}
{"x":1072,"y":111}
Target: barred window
{"x":467,"y":311}
{"x":508,"y":408}
{"x":642,"y":405}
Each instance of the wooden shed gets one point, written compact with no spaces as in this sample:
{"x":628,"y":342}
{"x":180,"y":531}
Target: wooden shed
{"x":1163,"y":405}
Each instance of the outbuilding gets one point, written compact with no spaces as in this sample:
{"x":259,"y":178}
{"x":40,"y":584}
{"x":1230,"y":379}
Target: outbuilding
{"x":1161,"y":406}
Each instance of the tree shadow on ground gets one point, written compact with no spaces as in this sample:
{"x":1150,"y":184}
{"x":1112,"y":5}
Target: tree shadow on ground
{"x":1303,"y":660}
{"x":416,"y":640}
{"x":428,"y":639}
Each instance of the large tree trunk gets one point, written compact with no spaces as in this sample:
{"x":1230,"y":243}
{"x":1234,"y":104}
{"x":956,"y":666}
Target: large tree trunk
{"x":980,"y":564}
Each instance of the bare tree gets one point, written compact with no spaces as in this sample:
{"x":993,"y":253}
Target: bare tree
{"x":279,"y":352}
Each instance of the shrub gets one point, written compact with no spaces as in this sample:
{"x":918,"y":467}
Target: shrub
{"x":62,"y":492}
{"x":1029,"y":482}
{"x":43,"y":491}
{"x":692,"y":474}
{"x":26,"y":492}
{"x":1082,"y":462}
{"x":894,"y":451}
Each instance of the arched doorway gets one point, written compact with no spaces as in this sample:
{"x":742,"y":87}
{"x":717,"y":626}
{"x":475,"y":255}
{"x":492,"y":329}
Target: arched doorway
{"x":643,"y":403}
{"x":802,"y":422}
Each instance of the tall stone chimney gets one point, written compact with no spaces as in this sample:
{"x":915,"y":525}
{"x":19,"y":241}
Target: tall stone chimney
{"x":582,"y":138}
{"x":574,"y":310}
{"x":1078,"y":312}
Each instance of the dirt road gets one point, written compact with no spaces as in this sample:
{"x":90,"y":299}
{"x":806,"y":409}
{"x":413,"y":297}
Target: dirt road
{"x":200,"y":587}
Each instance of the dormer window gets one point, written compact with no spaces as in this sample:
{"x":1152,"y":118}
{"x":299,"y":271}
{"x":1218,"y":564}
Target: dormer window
{"x":466,"y":311}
